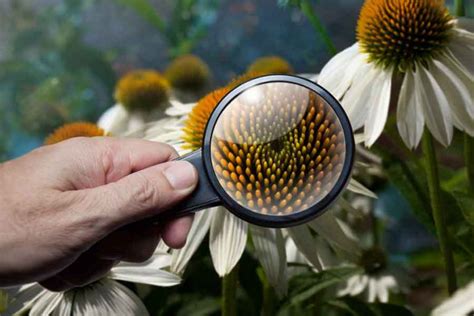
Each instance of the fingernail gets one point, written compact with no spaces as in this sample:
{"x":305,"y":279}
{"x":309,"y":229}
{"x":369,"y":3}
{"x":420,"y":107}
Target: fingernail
{"x":181,"y":175}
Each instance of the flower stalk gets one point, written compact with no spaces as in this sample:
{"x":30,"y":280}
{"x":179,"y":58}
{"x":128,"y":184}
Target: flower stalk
{"x":229,"y":293}
{"x":459,"y":8}
{"x":308,"y":11}
{"x":468,"y":140}
{"x":437,"y":209}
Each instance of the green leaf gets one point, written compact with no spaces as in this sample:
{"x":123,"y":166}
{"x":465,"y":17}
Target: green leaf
{"x":407,"y":178}
{"x":146,"y":11}
{"x":465,"y":202}
{"x":306,"y":285}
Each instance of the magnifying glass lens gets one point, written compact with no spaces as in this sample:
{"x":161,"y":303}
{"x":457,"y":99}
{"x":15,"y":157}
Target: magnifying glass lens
{"x":278,"y":148}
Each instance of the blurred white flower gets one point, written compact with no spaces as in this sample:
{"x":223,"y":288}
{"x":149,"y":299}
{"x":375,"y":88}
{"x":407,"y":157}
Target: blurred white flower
{"x":415,"y":43}
{"x":460,"y":304}
{"x":227,"y":233}
{"x":104,"y":297}
{"x":378,"y":279}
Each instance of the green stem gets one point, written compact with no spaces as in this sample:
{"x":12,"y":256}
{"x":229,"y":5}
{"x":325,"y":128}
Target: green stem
{"x":437,"y":209}
{"x":469,"y":159}
{"x":269,"y":298}
{"x":308,"y":11}
{"x":375,"y":229}
{"x":229,"y":293}
{"x":459,"y":8}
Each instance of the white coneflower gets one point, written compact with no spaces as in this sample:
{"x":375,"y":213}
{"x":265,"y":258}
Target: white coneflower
{"x":141,"y":96}
{"x":378,"y":279}
{"x":104,"y":297}
{"x":419,"y":42}
{"x":228,"y":234}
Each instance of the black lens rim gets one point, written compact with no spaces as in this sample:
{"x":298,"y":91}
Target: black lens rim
{"x":300,"y":217}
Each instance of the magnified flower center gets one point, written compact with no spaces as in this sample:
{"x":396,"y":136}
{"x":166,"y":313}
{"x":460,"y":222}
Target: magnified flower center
{"x":278,"y":148}
{"x":400,"y":33}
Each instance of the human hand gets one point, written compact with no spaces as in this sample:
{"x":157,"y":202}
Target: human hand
{"x":70,"y":211}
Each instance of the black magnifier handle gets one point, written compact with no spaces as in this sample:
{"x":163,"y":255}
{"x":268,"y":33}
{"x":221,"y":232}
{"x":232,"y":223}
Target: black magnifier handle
{"x":203,"y":196}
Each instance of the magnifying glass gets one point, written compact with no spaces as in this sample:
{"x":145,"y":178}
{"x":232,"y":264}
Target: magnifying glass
{"x":277,"y":151}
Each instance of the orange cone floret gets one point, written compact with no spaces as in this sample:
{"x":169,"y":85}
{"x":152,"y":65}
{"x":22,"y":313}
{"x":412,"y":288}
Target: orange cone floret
{"x":71,"y":130}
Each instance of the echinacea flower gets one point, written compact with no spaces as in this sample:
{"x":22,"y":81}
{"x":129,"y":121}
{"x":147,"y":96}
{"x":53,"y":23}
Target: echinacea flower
{"x":103,"y":297}
{"x":188,"y":72}
{"x":377,"y":280}
{"x":270,"y":65}
{"x":77,"y":129}
{"x":460,"y":304}
{"x":141,"y":96}
{"x":419,"y":43}
{"x":228,"y":233}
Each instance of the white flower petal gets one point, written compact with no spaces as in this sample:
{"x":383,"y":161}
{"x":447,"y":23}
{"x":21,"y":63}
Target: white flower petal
{"x":459,"y":95}
{"x":360,"y":286}
{"x":46,"y":304}
{"x":462,"y":47}
{"x":309,"y":76}
{"x":227,"y":240}
{"x":305,"y":242}
{"x":410,"y":119}
{"x":336,"y":234}
{"x":26,"y":296}
{"x":435,"y":106}
{"x":106,"y":297}
{"x":377,"y":106}
{"x":337,"y":75}
{"x":199,"y":229}
{"x":148,"y":272}
{"x":372,"y":290}
{"x":357,"y":187}
{"x":270,"y":250}
{"x":460,"y":304}
{"x":356,"y":100}
{"x":294,"y":255}
{"x":114,"y":120}
{"x":382,"y":291}
{"x":179,"y":109}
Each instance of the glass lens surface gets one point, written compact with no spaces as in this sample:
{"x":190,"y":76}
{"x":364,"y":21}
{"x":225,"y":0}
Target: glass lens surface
{"x":278,"y":148}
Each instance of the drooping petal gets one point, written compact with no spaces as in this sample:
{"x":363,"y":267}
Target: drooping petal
{"x":179,"y":109}
{"x":270,"y":251}
{"x":355,"y":101}
{"x":106,"y":297}
{"x":46,"y":304}
{"x":372,"y":290}
{"x":382,"y":291}
{"x":410,"y":118}
{"x":357,"y":187}
{"x":305,"y":242}
{"x":338,"y":73}
{"x":199,"y":229}
{"x":435,"y":106}
{"x":336,"y":234}
{"x":148,"y":272}
{"x":26,"y":296}
{"x":377,"y":105}
{"x":462,"y":47}
{"x":114,"y":120}
{"x":461,"y":303}
{"x":460,"y":96}
{"x":227,"y":240}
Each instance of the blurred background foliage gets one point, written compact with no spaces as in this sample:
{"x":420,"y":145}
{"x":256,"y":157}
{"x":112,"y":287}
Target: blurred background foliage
{"x":60,"y":60}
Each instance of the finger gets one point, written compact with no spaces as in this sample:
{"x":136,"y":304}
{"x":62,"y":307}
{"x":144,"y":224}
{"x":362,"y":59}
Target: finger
{"x":175,"y":232}
{"x":140,"y":195}
{"x":133,"y":243}
{"x":85,"y":270}
{"x":122,"y":156}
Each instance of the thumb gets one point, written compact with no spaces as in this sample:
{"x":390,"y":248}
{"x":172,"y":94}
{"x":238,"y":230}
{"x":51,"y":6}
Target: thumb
{"x":144,"y":193}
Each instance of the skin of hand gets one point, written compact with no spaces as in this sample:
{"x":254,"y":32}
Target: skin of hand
{"x":70,"y":211}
